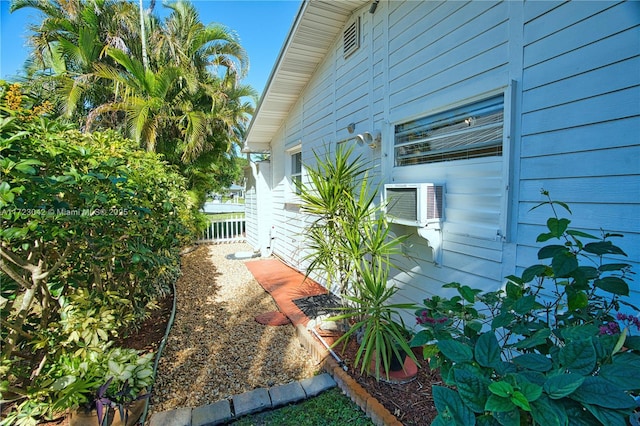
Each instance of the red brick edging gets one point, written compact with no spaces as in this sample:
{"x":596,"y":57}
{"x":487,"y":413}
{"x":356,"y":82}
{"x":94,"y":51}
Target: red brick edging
{"x":367,"y":403}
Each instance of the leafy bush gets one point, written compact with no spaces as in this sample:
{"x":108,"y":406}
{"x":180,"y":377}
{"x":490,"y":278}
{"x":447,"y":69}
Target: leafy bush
{"x":90,"y":236}
{"x":72,"y":381}
{"x":550,"y":349}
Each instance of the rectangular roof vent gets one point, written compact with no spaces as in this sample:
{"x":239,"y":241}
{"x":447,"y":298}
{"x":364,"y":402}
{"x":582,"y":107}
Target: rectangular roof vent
{"x":351,"y":37}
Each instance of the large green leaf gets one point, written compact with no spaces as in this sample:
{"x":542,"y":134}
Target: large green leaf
{"x":508,"y":418}
{"x":520,"y":400}
{"x":577,"y":300}
{"x":498,"y":404}
{"x":450,"y":406}
{"x":535,"y":271}
{"x":607,"y":416}
{"x":487,"y":350}
{"x":624,"y":376}
{"x":562,"y":385}
{"x":613,"y":267}
{"x":455,"y":351}
{"x":502,"y":320}
{"x":524,"y":304}
{"x":613,"y":285}
{"x":564,"y":263}
{"x":579,"y":332}
{"x":472,"y":388}
{"x":537,"y":338}
{"x":547,"y":412}
{"x":596,"y":390}
{"x":531,"y":391}
{"x":603,"y":247}
{"x":468,"y":293}
{"x":502,"y":389}
{"x":548,"y":252}
{"x":557,"y":226}
{"x":578,"y":356}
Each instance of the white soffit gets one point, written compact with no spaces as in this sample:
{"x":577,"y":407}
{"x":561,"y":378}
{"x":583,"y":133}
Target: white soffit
{"x":314,"y":30}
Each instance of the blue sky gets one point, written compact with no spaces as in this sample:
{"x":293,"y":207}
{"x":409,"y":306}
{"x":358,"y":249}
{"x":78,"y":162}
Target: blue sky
{"x":262,"y":26}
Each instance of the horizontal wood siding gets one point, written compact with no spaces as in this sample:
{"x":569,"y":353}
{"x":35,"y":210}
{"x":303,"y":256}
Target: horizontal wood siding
{"x":441,"y":53}
{"x":581,"y":114}
{"x":576,"y":114}
{"x":251,"y":210}
{"x":436,"y":45}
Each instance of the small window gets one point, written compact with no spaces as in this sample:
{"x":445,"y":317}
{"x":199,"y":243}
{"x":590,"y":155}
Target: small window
{"x":471,"y":131}
{"x":351,"y":37}
{"x":296,"y":171}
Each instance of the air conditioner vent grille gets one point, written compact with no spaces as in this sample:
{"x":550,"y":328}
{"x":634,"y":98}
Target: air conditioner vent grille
{"x":402,"y":203}
{"x":414,"y":204}
{"x":434,"y":202}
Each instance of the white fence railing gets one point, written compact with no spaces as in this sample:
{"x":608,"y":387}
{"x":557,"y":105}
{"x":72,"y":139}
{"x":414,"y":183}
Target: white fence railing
{"x":219,"y":231}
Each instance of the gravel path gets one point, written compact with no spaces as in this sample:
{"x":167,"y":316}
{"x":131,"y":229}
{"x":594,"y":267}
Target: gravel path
{"x":216,"y":349}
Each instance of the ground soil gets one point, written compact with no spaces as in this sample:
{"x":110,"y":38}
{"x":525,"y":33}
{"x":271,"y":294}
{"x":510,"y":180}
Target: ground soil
{"x":411,"y":403}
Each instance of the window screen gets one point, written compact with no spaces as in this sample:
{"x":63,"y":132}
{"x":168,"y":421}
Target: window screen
{"x":471,"y":131}
{"x":296,"y":170}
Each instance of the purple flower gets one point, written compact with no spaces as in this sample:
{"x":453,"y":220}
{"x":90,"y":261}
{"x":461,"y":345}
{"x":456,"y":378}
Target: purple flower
{"x":610,"y":328}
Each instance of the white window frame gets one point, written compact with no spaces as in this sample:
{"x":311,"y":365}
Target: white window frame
{"x":509,"y":92}
{"x":293,"y":175}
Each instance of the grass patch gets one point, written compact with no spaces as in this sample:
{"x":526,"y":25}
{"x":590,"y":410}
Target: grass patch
{"x":330,"y":408}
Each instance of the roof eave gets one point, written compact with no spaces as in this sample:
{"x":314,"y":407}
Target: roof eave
{"x":282,"y":91}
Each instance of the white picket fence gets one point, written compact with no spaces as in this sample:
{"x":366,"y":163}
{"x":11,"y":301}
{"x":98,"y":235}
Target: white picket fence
{"x":220,"y":231}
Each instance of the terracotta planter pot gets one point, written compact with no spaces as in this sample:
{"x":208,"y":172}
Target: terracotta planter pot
{"x":82,"y":417}
{"x":398,"y":373}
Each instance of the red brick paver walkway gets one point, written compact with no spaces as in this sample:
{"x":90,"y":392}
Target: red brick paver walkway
{"x":285,"y":284}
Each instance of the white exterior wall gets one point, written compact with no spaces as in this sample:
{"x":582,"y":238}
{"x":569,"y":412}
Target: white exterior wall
{"x":571,"y":125}
{"x":581,"y":121}
{"x":258,"y":208}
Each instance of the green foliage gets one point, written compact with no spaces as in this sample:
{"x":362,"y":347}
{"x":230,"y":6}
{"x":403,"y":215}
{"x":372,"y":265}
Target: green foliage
{"x":547,"y":348}
{"x":330,"y":408}
{"x":384,"y":336}
{"x":187,"y":103}
{"x":350,"y":245}
{"x":91,"y":228}
{"x":73,"y":381}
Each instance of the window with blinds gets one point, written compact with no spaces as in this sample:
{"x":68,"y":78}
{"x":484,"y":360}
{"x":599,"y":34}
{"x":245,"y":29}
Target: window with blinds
{"x":471,"y":131}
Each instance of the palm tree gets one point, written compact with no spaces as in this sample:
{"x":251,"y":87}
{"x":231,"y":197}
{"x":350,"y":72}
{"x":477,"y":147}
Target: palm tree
{"x":71,"y":38}
{"x":182,"y":98}
{"x":200,"y":49}
{"x":147,"y":98}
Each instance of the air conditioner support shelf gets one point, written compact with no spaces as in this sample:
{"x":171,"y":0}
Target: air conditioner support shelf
{"x":433,"y":235}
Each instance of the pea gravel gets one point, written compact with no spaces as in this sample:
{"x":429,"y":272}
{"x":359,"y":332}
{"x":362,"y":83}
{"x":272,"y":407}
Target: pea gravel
{"x":215,"y":348}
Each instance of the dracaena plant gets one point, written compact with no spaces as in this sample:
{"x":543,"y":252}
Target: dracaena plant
{"x":546,"y":350}
{"x":349,"y":244}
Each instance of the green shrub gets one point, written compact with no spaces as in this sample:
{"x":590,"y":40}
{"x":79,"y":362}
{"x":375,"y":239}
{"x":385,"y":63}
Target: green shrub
{"x":547,"y":349}
{"x":90,"y":237}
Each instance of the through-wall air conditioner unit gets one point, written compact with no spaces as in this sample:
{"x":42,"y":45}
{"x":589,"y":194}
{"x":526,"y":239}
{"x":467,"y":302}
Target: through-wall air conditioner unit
{"x":415,"y":204}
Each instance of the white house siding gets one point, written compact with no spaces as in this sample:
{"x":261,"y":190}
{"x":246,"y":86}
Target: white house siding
{"x":581,"y":121}
{"x":442,"y":55}
{"x":251,"y":210}
{"x":569,"y":74}
{"x":258,"y":205}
